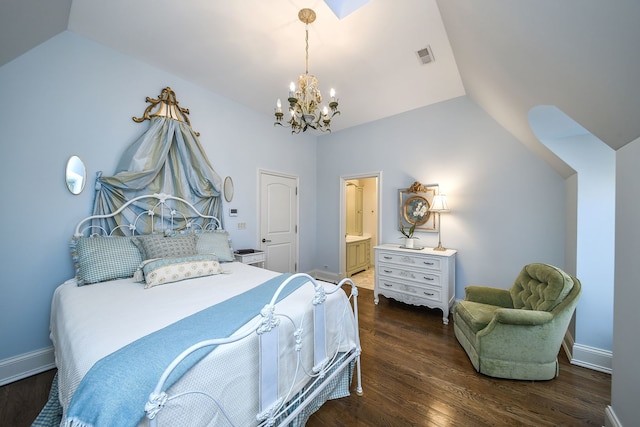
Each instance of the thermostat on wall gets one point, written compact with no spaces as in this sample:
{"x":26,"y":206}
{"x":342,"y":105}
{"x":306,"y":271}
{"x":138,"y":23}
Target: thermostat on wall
{"x":233,"y":212}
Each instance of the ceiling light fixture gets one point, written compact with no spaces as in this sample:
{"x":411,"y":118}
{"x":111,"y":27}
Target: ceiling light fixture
{"x":304,"y":101}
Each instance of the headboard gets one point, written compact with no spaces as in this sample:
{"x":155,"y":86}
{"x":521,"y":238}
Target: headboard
{"x":149,"y":214}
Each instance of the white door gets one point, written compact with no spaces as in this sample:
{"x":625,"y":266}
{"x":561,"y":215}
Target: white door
{"x":278,"y":221}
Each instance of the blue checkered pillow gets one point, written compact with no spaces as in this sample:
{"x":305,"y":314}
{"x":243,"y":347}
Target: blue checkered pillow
{"x":154,"y":246}
{"x":98,"y":259}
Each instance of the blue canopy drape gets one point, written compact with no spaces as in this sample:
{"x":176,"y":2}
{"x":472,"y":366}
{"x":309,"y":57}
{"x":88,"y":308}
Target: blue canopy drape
{"x":167,"y":158}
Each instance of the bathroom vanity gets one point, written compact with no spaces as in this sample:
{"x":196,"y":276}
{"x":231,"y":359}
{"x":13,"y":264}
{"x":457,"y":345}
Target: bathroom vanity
{"x":358,"y":254}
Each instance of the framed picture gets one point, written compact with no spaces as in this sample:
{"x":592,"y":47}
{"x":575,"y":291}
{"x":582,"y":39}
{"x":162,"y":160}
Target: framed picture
{"x":414,"y":205}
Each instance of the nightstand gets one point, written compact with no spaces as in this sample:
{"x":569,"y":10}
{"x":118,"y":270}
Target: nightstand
{"x":251,"y":256}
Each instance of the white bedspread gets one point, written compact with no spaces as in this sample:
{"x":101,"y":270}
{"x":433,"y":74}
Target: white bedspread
{"x":90,"y":322}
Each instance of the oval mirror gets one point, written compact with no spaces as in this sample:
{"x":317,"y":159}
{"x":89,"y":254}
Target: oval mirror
{"x":75,"y":175}
{"x":228,"y":189}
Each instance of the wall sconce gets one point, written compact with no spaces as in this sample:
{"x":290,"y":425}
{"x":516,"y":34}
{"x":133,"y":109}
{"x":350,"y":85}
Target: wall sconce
{"x":439,"y":205}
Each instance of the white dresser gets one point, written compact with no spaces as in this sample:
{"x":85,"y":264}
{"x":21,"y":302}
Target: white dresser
{"x":419,"y":277}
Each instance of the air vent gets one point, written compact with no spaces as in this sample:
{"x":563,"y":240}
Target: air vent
{"x":425,"y":55}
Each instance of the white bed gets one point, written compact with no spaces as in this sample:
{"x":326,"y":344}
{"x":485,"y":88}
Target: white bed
{"x":236,"y":381}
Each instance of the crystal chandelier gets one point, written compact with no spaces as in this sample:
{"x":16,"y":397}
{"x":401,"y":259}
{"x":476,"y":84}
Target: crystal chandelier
{"x":305,"y":101}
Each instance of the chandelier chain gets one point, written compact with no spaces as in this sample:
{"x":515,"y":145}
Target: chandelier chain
{"x":306,"y":50}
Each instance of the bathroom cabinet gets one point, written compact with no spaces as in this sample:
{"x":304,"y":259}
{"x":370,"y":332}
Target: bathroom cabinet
{"x":358,"y":255}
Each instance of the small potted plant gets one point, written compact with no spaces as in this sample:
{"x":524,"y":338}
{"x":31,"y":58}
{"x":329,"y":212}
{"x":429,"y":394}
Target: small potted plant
{"x":418,"y":214}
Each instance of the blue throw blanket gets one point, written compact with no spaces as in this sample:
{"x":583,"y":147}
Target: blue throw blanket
{"x":116,"y":388}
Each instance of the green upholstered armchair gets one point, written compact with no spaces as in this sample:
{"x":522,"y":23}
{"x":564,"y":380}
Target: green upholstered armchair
{"x":517,"y":333}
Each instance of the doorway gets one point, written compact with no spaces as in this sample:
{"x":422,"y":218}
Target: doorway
{"x":359,"y":193}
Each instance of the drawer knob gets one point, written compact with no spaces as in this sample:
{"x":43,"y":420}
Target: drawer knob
{"x":388,"y":271}
{"x":428,"y":262}
{"x":387,"y":285}
{"x":387,"y":257}
{"x":429,"y":293}
{"x":428,"y":278}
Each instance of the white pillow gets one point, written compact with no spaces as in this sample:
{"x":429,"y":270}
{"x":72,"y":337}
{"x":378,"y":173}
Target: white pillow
{"x":169,"y":270}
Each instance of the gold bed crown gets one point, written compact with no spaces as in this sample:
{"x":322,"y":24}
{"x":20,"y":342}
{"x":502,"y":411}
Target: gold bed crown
{"x":167,"y":106}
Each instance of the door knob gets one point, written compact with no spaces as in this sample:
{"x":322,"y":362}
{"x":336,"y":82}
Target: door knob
{"x":265,"y":241}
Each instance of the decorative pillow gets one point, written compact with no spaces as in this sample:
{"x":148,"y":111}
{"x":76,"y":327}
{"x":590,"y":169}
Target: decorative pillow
{"x":168,"y":270}
{"x":158,"y":246}
{"x":215,"y":242}
{"x":98,"y":259}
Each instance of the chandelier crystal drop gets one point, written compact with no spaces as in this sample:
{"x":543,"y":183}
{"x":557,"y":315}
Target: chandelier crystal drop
{"x":305,"y":102}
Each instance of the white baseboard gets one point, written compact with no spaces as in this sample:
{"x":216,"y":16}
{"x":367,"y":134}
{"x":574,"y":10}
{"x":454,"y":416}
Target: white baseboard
{"x":610,"y":419}
{"x":25,"y":365}
{"x":592,"y":358}
{"x":585,"y":356}
{"x":327,"y":276}
{"x":567,"y":345}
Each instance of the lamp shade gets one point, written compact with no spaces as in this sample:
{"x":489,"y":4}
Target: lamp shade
{"x":439,"y":203}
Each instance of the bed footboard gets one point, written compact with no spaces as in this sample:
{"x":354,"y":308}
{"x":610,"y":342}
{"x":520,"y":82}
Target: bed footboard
{"x":303,"y":359}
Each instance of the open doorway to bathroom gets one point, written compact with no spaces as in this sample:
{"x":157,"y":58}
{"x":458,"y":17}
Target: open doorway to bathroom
{"x":359,"y":227}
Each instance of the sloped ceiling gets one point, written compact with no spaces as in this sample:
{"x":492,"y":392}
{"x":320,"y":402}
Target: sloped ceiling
{"x":25,"y":24}
{"x":250,"y":50}
{"x":582,"y":56}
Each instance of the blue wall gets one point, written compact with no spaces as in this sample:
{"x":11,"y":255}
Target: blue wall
{"x":507,"y":205}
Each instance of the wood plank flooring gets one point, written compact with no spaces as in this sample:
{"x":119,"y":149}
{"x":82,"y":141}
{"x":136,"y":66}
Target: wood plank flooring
{"x":21,"y":401}
{"x":414,"y":373}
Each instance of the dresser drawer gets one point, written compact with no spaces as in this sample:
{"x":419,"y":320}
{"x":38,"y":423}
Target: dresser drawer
{"x":423,"y":277}
{"x":401,"y":258}
{"x":250,"y":259}
{"x":391,"y":287}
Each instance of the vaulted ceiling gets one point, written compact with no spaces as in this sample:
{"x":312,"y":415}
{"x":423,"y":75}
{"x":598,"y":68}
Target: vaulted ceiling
{"x":582,"y":56}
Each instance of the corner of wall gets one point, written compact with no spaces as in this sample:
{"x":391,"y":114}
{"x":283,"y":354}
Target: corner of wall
{"x":610,"y":418}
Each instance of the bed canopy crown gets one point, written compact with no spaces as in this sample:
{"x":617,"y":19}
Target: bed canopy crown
{"x":166,"y":106}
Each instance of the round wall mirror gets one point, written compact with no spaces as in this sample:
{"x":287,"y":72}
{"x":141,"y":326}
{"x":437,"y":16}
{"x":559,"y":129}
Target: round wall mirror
{"x":228,"y":189}
{"x":75,"y":175}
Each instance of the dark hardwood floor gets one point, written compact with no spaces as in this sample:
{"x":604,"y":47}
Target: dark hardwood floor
{"x":21,"y":401}
{"x":414,"y":373}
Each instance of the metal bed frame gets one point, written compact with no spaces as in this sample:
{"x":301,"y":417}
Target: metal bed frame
{"x":162,"y":213}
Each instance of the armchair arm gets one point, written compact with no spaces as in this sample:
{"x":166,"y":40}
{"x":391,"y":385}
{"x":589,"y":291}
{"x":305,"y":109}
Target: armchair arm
{"x":514,"y":316}
{"x":487,"y":295}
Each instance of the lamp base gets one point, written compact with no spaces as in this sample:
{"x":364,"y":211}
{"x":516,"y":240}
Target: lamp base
{"x":439,"y":248}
